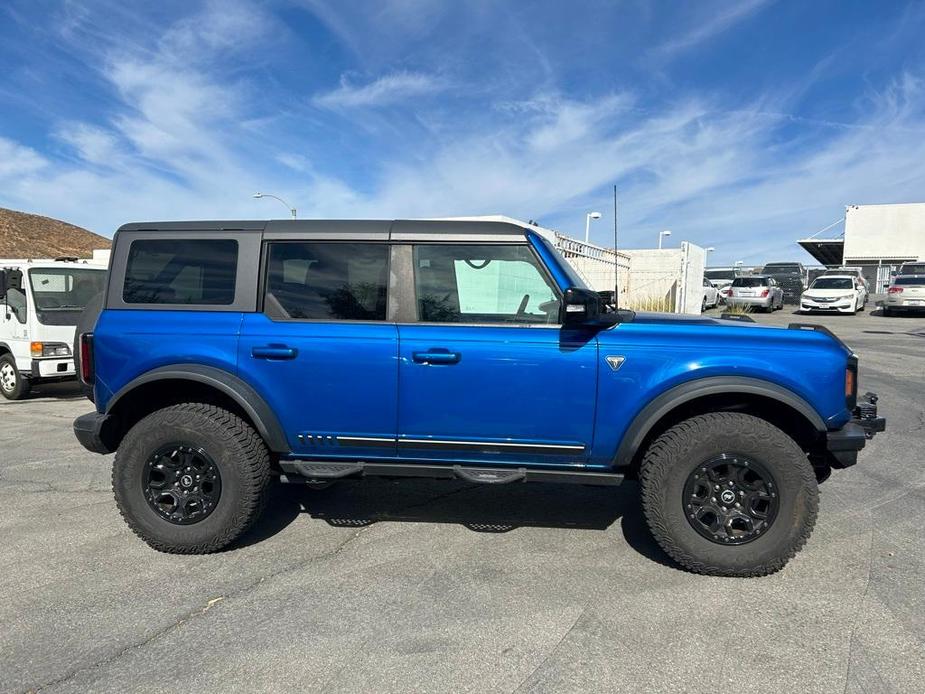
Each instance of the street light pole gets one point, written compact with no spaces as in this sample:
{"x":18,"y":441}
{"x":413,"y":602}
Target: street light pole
{"x":588,"y":218}
{"x":706,"y":254}
{"x":662,"y":235}
{"x":276,"y":197}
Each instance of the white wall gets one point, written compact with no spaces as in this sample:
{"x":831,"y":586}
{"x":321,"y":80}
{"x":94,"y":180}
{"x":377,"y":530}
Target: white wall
{"x":884,"y":231}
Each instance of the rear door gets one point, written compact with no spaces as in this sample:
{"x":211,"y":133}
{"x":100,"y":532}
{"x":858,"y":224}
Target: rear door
{"x":322,"y":352}
{"x":486,"y":373}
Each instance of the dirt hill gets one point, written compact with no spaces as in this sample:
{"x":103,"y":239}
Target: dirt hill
{"x":24,"y":235}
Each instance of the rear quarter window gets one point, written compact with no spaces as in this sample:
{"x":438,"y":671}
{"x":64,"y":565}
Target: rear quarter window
{"x":181,"y":272}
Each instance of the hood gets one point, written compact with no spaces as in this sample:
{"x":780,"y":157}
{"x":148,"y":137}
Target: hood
{"x":827,"y":293}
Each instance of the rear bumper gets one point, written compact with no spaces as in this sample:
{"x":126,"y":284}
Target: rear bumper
{"x":764,"y":301}
{"x":844,"y":444}
{"x":95,"y":432}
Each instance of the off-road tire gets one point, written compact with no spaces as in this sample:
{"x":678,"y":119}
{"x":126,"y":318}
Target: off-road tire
{"x":22,"y":386}
{"x":237,"y":450}
{"x":676,"y":454}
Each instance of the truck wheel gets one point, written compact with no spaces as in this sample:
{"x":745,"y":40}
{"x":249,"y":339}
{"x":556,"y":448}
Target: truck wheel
{"x":728,"y":494}
{"x":191,"y":478}
{"x":13,"y":385}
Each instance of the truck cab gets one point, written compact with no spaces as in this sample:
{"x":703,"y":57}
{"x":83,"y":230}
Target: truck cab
{"x":232,"y":354}
{"x":40,"y":303}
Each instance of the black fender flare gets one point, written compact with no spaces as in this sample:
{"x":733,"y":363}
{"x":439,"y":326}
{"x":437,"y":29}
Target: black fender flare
{"x":662,"y":404}
{"x":242,"y":393}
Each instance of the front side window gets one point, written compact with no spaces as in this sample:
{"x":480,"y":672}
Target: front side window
{"x":327,"y":281}
{"x":482,"y":284}
{"x":181,"y":271}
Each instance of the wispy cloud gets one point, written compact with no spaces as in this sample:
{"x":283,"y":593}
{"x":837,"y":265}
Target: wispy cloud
{"x":708,"y":25}
{"x":388,"y":89}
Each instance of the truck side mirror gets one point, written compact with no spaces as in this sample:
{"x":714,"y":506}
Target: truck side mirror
{"x":580,"y":307}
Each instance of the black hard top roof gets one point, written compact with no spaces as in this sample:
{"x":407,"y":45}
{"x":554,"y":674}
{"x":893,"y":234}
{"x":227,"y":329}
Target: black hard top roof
{"x":394,"y":228}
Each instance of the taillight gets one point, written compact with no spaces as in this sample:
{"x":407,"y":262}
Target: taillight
{"x":765,"y":293}
{"x":86,"y":358}
{"x":895,"y":290}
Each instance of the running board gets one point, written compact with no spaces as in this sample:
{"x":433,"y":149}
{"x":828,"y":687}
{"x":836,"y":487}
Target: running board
{"x":295,"y":471}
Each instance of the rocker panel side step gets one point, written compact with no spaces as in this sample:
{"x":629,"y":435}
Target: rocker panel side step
{"x":296,"y":471}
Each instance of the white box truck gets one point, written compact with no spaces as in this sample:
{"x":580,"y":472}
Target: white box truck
{"x":40,"y":302}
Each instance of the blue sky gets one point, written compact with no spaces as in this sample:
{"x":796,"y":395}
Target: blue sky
{"x":739,"y":125}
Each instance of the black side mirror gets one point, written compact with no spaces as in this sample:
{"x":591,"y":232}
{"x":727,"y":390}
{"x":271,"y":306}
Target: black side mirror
{"x":580,"y":307}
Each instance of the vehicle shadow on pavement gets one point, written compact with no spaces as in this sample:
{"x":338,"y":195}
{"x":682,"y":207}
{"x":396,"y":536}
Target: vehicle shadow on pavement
{"x":480,"y":508}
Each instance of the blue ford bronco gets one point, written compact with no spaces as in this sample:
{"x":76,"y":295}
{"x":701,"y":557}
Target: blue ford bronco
{"x":227,"y":355}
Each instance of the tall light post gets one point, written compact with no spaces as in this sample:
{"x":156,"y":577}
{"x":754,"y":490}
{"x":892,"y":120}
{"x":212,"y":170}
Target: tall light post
{"x":662,"y":235}
{"x":588,"y":218}
{"x":276,"y":197}
{"x":706,"y":255}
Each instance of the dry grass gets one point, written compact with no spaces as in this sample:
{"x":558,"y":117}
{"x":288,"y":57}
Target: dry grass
{"x":658,"y":304}
{"x":737,"y":309}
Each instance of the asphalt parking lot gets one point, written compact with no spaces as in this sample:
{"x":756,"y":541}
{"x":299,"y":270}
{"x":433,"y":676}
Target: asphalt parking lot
{"x":448,"y":587}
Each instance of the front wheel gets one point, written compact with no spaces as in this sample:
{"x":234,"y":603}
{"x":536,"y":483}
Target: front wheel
{"x":191,"y":478}
{"x":13,"y":385}
{"x":728,"y":494}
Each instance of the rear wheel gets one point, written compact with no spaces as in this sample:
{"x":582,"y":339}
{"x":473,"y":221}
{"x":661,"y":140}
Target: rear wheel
{"x":191,"y":478}
{"x":728,"y":494}
{"x":13,"y":385}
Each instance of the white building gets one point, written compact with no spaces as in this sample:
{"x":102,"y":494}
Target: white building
{"x":877,"y":238}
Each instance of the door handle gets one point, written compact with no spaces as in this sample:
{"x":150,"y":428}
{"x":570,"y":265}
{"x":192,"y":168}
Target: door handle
{"x":436,"y":357}
{"x":274,"y":352}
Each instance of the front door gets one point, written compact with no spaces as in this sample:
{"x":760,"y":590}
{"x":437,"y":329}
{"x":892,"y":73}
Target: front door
{"x":486,"y":373}
{"x":321,"y":353}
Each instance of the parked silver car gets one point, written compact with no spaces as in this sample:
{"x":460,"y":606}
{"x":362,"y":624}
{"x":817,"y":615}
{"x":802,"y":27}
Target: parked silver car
{"x":756,"y":291}
{"x":906,"y":293}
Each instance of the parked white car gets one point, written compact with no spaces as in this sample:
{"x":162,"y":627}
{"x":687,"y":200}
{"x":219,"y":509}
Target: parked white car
{"x":907,"y":293}
{"x":710,"y":296}
{"x":834,"y":294}
{"x":40,"y":302}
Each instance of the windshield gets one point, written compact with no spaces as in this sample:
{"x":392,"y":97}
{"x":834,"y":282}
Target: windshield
{"x":912,"y":269}
{"x":906,"y":281}
{"x":574,"y":278}
{"x":60,"y":294}
{"x":781,"y":269}
{"x":720,"y":274}
{"x":833,"y":283}
{"x":750,"y":282}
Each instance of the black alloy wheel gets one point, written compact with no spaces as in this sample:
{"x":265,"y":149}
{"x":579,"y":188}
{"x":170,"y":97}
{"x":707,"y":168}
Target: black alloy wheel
{"x":181,"y":484}
{"x":730,"y":499}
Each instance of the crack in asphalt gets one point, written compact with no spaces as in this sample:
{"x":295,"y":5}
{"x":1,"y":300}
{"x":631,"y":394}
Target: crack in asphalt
{"x":197,"y":613}
{"x":857,"y":616}
{"x":551,"y":653}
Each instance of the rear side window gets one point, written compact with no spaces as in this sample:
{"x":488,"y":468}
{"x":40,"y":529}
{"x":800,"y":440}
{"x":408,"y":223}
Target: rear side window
{"x":327,"y":281}
{"x":180,"y":271}
{"x":749,"y":282}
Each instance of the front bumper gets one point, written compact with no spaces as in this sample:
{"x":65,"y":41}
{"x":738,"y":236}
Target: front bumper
{"x":837,"y":306}
{"x":844,"y":444}
{"x":96,"y":432}
{"x":52,"y":368}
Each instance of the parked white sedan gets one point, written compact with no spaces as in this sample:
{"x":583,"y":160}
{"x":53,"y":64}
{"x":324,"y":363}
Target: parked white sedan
{"x":834,"y":294}
{"x":710,"y":296}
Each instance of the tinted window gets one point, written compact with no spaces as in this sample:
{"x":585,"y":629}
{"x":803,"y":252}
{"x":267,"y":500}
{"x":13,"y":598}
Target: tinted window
{"x":912,"y":269}
{"x":909,"y":280}
{"x":327,"y":281}
{"x":181,"y":271}
{"x":750,"y":282}
{"x":833,"y":283}
{"x":482,"y":284}
{"x":720,"y":274}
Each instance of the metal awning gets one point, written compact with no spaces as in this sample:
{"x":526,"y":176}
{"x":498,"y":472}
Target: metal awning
{"x":826,"y":251}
